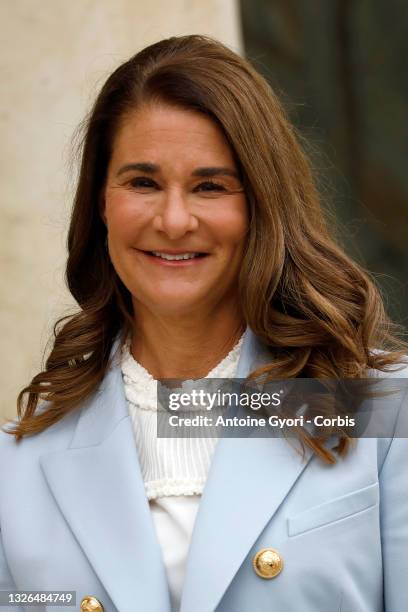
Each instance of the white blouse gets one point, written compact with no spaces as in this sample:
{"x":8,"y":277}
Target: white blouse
{"x":174,"y":469}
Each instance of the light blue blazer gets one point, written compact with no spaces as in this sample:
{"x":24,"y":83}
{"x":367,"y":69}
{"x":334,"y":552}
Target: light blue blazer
{"x":74,"y":516}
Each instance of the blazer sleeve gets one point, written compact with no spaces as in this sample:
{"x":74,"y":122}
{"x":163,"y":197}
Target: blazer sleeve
{"x":394,"y":518}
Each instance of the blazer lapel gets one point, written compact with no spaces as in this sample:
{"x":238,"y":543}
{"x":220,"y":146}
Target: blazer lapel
{"x":98,"y":486}
{"x":247,"y":482}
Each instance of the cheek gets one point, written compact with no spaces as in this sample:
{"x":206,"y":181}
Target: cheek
{"x":124,"y":216}
{"x":231,"y":224}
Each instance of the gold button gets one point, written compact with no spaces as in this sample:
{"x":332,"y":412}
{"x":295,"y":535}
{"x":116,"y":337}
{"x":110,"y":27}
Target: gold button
{"x":267,"y":563}
{"x":91,"y":604}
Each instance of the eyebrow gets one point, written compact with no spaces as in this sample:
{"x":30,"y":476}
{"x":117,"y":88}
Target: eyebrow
{"x":150,"y":168}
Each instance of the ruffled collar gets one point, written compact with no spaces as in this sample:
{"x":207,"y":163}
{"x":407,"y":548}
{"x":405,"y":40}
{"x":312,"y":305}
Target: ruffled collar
{"x":139,"y":383}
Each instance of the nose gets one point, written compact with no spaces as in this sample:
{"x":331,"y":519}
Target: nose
{"x":174,"y":216}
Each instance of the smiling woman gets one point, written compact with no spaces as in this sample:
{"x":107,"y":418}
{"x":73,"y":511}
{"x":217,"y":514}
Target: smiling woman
{"x":198,"y":248}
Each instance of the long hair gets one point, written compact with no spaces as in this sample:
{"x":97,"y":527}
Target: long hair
{"x":317,"y":310}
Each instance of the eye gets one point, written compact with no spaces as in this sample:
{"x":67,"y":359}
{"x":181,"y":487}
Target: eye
{"x":141,"y":182}
{"x":210,"y":186}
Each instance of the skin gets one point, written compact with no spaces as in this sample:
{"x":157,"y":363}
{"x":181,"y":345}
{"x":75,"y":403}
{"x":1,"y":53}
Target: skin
{"x":187,"y":317}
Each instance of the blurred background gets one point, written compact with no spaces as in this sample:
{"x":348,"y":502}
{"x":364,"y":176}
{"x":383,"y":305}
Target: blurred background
{"x":338,"y":65}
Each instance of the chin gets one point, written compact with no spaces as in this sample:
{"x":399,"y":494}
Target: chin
{"x":176,"y":304}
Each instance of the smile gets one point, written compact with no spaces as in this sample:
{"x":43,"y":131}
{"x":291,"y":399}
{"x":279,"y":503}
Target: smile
{"x":175,"y":259}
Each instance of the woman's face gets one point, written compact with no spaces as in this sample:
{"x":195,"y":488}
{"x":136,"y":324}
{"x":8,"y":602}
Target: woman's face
{"x":172,"y":191}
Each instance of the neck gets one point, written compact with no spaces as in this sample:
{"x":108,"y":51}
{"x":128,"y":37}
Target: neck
{"x":184,"y":347}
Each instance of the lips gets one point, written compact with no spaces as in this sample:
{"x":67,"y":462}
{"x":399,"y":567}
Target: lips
{"x":175,"y":251}
{"x":171,"y":260}
{"x":172,"y":253}
{"x":176,"y":256}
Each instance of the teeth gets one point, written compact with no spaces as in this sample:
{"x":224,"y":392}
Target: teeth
{"x":175,"y":257}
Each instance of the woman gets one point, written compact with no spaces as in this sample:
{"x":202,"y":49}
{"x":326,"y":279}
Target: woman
{"x":198,"y":248}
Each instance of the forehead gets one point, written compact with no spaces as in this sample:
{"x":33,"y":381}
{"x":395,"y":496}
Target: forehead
{"x":161,"y":130}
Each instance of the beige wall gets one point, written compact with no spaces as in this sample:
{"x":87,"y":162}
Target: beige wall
{"x":55,"y":55}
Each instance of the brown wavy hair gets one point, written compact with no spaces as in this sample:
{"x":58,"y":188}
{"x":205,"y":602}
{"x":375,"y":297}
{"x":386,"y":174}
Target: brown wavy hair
{"x":317,"y":310}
